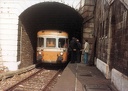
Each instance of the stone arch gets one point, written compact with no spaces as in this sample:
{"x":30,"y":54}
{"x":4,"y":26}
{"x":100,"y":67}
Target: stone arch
{"x":47,"y":15}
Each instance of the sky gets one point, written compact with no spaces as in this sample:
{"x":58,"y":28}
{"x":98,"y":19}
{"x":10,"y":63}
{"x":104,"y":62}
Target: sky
{"x":72,"y":3}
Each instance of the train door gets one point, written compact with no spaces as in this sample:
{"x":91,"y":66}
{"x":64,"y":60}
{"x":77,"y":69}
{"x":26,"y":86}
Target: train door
{"x":63,"y":45}
{"x":40,"y":43}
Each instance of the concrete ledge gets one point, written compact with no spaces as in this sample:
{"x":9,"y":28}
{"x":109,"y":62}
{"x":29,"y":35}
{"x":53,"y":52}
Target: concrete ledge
{"x":104,"y":68}
{"x":12,"y":73}
{"x":119,"y":80}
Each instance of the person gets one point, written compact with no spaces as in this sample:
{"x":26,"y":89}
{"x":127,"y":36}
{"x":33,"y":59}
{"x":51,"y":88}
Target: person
{"x":78,"y":50}
{"x":72,"y":47}
{"x":86,"y":51}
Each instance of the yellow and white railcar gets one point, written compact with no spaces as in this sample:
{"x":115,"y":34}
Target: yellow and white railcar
{"x":52,"y":46}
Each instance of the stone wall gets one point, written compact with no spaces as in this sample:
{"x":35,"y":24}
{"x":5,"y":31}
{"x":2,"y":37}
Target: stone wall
{"x":119,"y":51}
{"x":86,"y":10}
{"x":111,"y":32}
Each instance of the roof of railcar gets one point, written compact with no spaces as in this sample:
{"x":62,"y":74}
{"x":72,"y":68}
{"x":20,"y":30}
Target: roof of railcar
{"x":52,"y":32}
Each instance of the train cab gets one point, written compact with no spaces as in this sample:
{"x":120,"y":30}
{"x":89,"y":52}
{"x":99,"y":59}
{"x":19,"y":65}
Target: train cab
{"x":52,"y":46}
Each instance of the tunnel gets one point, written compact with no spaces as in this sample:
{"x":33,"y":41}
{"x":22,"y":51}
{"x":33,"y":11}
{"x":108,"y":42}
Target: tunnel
{"x":51,"y":15}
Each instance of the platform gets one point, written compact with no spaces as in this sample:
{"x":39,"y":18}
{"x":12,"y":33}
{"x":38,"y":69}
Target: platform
{"x":81,"y":77}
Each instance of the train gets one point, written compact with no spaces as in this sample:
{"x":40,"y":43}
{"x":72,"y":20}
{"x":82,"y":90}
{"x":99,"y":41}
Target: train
{"x":52,"y":46}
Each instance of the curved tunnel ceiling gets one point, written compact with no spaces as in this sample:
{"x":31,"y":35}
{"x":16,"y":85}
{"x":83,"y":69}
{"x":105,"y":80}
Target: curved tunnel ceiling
{"x":51,"y":15}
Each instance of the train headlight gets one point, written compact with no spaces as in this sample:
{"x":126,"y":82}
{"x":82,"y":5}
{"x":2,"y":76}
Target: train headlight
{"x":61,"y":53}
{"x":60,"y":57}
{"x":39,"y":52}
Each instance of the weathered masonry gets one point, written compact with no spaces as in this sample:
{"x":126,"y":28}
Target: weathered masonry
{"x":111,"y":40}
{"x":111,"y":32}
{"x":21,"y":20}
{"x":104,"y":25}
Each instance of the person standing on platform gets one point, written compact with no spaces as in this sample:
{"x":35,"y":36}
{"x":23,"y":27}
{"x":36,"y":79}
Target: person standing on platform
{"x":78,"y":50}
{"x":86,"y":51}
{"x":73,"y":47}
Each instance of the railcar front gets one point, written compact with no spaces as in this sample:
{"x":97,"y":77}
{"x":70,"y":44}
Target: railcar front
{"x":52,"y":46}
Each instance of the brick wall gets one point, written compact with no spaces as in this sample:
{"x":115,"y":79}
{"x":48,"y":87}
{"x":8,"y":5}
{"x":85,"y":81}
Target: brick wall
{"x":26,"y":50}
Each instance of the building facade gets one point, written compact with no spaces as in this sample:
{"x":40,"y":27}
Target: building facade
{"x":110,"y":32}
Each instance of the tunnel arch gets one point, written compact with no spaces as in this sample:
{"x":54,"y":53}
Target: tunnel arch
{"x":50,"y":15}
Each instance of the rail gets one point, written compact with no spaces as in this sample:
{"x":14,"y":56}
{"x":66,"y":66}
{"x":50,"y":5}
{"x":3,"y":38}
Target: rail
{"x":32,"y":75}
{"x":42,"y":80}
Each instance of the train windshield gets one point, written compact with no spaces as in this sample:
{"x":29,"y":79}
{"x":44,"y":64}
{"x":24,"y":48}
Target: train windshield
{"x":63,"y":43}
{"x":50,"y":42}
{"x":40,"y":42}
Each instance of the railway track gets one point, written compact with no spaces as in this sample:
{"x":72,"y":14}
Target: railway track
{"x":38,"y":81}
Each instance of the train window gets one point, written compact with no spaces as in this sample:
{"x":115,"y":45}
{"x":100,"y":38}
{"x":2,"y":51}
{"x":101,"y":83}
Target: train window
{"x":63,"y":43}
{"x":50,"y":42}
{"x":40,"y":42}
